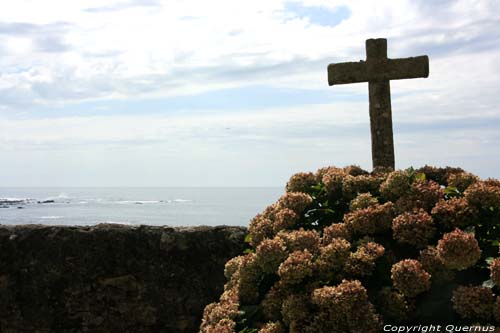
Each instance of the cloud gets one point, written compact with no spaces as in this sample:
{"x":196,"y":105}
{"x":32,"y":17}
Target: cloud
{"x":44,"y":37}
{"x":320,"y":15}
{"x":121,"y":5}
{"x":161,"y":53}
{"x":266,"y":146}
{"x":241,"y":81}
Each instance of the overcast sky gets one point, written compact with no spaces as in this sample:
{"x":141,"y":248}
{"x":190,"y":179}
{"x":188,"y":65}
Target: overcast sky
{"x":235,"y":93}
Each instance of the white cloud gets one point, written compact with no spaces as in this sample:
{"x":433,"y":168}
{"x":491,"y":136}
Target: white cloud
{"x":132,"y":43}
{"x":58,"y":52}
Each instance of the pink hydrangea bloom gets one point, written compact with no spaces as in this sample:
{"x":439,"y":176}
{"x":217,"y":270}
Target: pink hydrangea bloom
{"x":409,"y":277}
{"x":296,"y":267}
{"x":458,"y":250}
{"x":473,"y":302}
{"x":414,"y":228}
{"x":301,"y":182}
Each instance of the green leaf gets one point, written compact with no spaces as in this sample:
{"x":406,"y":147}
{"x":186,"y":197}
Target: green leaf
{"x":248,"y":238}
{"x":495,"y":243}
{"x":451,"y":190}
{"x":488,"y":284}
{"x":489,"y":260}
{"x":248,"y":251}
{"x":420,"y":176}
{"x":248,"y":330}
{"x":410,"y":170}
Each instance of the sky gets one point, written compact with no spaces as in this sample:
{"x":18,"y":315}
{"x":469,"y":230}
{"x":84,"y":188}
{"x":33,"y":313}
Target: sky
{"x":233,"y":92}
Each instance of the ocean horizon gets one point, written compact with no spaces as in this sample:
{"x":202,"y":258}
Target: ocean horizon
{"x":170,"y":206}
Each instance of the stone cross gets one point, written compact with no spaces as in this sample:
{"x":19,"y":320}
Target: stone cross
{"x":377,"y":70}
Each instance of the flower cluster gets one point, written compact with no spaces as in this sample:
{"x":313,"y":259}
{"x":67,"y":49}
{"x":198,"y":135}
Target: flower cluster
{"x":333,"y":256}
{"x":455,"y":212}
{"x":439,"y":175}
{"x":270,"y":254}
{"x":424,"y":194}
{"x":223,"y":326}
{"x":301,"y":239}
{"x":294,"y":312}
{"x":260,"y":228}
{"x":274,"y":327}
{"x":395,"y":186}
{"x":473,"y":302}
{"x":232,"y":266}
{"x":483,"y":195}
{"x":415,"y":228}
{"x":363,"y":200}
{"x":343,"y":250}
{"x":462,"y":180}
{"x":458,"y":250}
{"x":432,"y":264}
{"x":218,"y":317}
{"x":409,"y":277}
{"x":344,"y":308}
{"x":495,"y":271}
{"x":272,"y":302}
{"x":332,"y":180}
{"x":295,"y":201}
{"x":336,"y":230}
{"x":249,"y":275}
{"x":362,"y":262}
{"x":492,"y":182}
{"x":285,"y":219}
{"x":354,"y":185}
{"x":355,"y":170}
{"x":296,"y":267}
{"x":301,"y":182}
{"x":371,"y":220}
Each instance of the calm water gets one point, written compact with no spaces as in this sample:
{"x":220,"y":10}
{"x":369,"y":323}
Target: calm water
{"x":152,"y":206}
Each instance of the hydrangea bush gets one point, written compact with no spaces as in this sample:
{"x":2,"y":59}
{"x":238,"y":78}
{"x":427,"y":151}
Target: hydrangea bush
{"x":344,"y":250}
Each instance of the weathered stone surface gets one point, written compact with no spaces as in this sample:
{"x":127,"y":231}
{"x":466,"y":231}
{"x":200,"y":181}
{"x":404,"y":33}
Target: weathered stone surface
{"x":378,"y":70}
{"x":111,"y":278}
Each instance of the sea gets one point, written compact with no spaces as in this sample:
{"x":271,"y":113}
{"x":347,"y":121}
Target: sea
{"x":234,"y":206}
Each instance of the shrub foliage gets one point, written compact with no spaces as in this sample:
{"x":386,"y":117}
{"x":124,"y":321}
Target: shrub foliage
{"x":344,"y":250}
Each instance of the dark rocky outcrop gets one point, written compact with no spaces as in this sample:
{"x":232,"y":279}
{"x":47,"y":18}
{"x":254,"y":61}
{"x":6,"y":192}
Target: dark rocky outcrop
{"x":109,"y":278}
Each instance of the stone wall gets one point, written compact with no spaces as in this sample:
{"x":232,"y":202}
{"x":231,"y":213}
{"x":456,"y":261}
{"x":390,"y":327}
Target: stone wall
{"x":111,"y":278}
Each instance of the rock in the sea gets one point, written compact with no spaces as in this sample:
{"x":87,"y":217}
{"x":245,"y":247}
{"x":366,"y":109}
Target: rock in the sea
{"x":111,"y":278}
{"x":46,"y":201}
{"x":11,"y":202}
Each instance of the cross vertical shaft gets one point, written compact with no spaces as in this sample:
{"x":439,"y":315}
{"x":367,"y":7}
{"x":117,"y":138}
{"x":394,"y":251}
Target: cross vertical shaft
{"x":380,"y":108}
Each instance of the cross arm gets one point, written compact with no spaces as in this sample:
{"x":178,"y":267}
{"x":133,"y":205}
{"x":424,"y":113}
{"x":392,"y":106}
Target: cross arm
{"x":378,"y":70}
{"x":347,"y":72}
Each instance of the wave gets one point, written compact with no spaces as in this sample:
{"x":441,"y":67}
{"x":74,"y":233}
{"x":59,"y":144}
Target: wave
{"x":138,"y":202}
{"x":141,"y":202}
{"x":60,"y":197}
{"x":180,"y":200}
{"x":118,"y":222}
{"x":16,"y":201}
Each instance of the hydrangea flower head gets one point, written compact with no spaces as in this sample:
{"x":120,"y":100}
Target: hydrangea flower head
{"x":473,"y":302}
{"x":458,"y":250}
{"x":301,"y":182}
{"x":409,"y":277}
{"x":296,"y":267}
{"x":414,"y":228}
